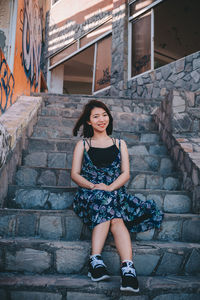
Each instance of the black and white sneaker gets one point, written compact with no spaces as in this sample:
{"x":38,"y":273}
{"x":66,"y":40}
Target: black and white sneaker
{"x":129,"y":278}
{"x":97,"y":269}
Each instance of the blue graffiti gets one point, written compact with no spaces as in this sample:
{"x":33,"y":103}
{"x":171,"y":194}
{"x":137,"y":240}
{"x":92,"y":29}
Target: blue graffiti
{"x":7,"y":83}
{"x":31,"y":41}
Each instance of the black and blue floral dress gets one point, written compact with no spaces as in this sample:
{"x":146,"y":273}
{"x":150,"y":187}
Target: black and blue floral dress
{"x":97,"y":206}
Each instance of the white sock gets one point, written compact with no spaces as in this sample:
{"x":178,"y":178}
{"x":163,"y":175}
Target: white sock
{"x":91,"y":256}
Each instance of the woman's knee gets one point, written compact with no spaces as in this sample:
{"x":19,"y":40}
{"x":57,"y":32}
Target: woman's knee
{"x":115,"y":224}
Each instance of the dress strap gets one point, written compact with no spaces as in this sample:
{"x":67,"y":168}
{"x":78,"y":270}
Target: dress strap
{"x":119,"y":145}
{"x":114,"y":140}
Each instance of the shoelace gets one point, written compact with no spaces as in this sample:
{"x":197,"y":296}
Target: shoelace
{"x":97,"y":262}
{"x":129,"y":270}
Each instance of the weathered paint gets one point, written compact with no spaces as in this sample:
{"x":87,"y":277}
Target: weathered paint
{"x":27,"y":55}
{"x":7,"y":84}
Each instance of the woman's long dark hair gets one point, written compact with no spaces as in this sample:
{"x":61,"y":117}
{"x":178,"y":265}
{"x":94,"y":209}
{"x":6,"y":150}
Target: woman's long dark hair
{"x":85,"y":117}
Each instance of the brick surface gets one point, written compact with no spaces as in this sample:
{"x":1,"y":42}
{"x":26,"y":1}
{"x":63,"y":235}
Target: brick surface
{"x":29,"y":260}
{"x":50,"y":227}
{"x":35,"y":296}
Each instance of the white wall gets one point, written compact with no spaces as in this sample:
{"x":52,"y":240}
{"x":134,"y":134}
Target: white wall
{"x":56,"y":80}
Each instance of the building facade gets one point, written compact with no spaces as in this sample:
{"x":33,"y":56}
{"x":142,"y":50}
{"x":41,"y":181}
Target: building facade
{"x":22,"y":26}
{"x":122,"y":48}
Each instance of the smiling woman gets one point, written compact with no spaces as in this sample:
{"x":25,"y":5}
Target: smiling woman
{"x":100,"y":167}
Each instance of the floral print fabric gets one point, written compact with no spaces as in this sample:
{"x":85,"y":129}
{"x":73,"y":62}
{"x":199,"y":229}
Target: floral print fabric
{"x":97,"y":206}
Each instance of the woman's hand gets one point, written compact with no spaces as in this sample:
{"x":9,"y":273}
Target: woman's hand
{"x":102,"y":186}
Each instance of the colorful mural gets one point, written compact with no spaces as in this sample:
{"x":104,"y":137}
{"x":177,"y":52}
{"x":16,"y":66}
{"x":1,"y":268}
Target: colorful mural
{"x":32,"y":40}
{"x":7,"y":83}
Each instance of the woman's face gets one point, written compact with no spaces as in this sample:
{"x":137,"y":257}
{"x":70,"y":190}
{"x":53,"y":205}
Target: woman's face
{"x":99,"y":119}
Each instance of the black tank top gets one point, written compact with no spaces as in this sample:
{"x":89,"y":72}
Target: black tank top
{"x":103,"y":157}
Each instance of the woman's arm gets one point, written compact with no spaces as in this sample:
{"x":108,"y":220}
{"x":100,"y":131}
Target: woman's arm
{"x":125,"y":172}
{"x":76,"y":167}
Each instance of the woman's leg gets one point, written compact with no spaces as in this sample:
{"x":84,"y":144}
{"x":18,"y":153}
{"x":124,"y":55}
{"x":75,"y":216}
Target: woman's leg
{"x":122,"y":239}
{"x":99,"y":235}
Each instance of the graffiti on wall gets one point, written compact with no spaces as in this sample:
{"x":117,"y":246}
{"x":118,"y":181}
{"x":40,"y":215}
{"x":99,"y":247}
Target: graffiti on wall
{"x":7,"y":84}
{"x":32,"y":40}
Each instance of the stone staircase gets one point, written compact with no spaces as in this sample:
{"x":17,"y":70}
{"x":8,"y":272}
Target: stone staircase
{"x":44,"y":246}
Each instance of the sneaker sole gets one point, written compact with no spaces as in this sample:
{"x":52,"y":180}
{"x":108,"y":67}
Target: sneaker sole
{"x":129,"y":289}
{"x":98,"y":279}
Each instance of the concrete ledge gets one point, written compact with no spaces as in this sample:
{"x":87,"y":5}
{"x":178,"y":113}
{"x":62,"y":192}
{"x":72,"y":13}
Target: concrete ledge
{"x":16,"y":124}
{"x":178,"y":120}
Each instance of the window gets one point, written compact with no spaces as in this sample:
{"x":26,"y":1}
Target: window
{"x":141,"y":45}
{"x":89,"y":70}
{"x":161,"y":32}
{"x":87,"y":61}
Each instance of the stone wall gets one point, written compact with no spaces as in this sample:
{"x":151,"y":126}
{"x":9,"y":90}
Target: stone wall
{"x":181,"y":74}
{"x":178,"y":119}
{"x":119,"y":50}
{"x":16,"y":124}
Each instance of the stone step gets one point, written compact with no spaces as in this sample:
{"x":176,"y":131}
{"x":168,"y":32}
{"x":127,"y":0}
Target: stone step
{"x":66,"y":225}
{"x":67,"y":146}
{"x":77,"y":287}
{"x":62,"y":197}
{"x":71,"y":108}
{"x":61,"y":257}
{"x":142,"y":179}
{"x":66,"y":133}
{"x":139,"y":157}
{"x":129,"y":122}
{"x":108,"y":100}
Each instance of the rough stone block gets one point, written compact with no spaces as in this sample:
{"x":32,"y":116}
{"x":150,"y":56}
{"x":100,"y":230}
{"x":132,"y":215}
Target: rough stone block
{"x":26,"y":225}
{"x":166,"y":166}
{"x":138,"y":163}
{"x":86,"y":296}
{"x":47,"y":178}
{"x":145,"y":264}
{"x":26,"y":176}
{"x":138,"y":182}
{"x":153,"y":163}
{"x":72,"y":259}
{"x":154,"y":182}
{"x":73,"y":228}
{"x":3,"y":295}
{"x":7,"y":225}
{"x":19,"y":295}
{"x":64,"y":178}
{"x":180,"y":296}
{"x":60,"y":201}
{"x":31,"y":198}
{"x":135,"y":150}
{"x":149,"y":138}
{"x":170,"y":264}
{"x":50,"y":227}
{"x":1,"y":260}
{"x":171,"y":184}
{"x":180,"y":65}
{"x":170,"y":230}
{"x":135,"y":297}
{"x":28,"y":260}
{"x":57,"y":160}
{"x":157,"y":150}
{"x":190,"y":231}
{"x":146,"y":235}
{"x":166,"y":71}
{"x":112,"y":261}
{"x":37,"y":159}
{"x":177,"y":203}
{"x":193,"y":264}
{"x":196,"y":64}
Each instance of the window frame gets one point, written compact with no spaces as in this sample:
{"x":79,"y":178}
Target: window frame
{"x":130,"y":20}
